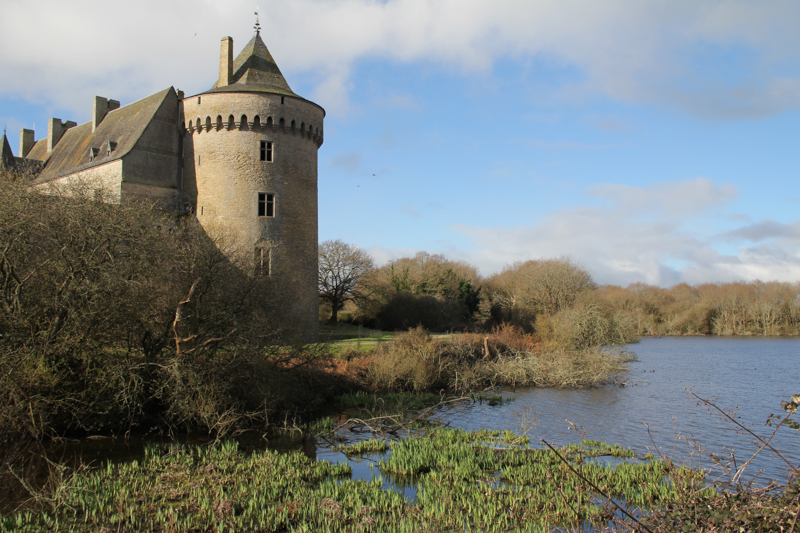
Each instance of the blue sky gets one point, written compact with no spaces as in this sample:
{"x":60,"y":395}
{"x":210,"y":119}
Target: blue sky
{"x":653,"y":142}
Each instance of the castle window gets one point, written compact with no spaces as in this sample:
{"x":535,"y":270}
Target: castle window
{"x":243,"y":123}
{"x":208,"y":123}
{"x":269,"y":121}
{"x":283,"y":101}
{"x":219,"y":122}
{"x":262,"y":262}
{"x":198,"y":99}
{"x":256,"y":122}
{"x":293,"y":122}
{"x":266,"y":204}
{"x":231,"y":122}
{"x":266,"y":151}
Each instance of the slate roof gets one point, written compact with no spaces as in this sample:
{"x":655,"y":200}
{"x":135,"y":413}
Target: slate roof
{"x":6,"y":156}
{"x":254,"y":70}
{"x":123,"y":126}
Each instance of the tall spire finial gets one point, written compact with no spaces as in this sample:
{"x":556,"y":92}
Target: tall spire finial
{"x":258,"y":25}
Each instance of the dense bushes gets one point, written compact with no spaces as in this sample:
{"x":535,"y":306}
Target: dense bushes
{"x":424,"y":290}
{"x":418,"y":362}
{"x":117,"y":316}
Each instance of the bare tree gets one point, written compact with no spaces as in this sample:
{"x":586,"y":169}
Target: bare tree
{"x":341,"y":269}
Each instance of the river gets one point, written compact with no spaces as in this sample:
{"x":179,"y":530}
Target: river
{"x":747,"y":375}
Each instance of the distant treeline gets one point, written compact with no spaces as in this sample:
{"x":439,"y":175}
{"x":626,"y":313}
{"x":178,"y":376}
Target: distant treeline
{"x":741,"y":308}
{"x":558,"y":298}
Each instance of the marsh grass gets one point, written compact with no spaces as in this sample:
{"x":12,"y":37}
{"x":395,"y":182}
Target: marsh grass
{"x":415,"y":361}
{"x":479,"y":481}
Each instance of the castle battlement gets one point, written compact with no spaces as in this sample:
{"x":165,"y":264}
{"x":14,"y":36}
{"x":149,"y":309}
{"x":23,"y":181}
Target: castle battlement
{"x":199,"y":125}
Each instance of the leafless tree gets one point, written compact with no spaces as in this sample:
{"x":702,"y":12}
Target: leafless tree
{"x":342,"y":267}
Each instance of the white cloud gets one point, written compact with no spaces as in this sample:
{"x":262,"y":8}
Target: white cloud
{"x":632,"y":51}
{"x":618,"y":245}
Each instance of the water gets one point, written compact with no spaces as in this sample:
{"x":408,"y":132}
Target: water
{"x":750,"y":376}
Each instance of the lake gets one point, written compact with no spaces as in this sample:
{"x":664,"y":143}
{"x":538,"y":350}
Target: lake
{"x":748,"y":375}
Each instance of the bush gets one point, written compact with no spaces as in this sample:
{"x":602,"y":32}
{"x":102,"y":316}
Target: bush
{"x":114,"y":316}
{"x":469,"y":362}
{"x":405,"y":310}
{"x":414,"y":361}
{"x":587,"y":324}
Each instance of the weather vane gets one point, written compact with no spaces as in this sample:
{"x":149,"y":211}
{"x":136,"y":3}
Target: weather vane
{"x":258,"y":25}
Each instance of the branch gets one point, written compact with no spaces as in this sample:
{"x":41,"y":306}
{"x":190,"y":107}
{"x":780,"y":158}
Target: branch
{"x":595,"y":487}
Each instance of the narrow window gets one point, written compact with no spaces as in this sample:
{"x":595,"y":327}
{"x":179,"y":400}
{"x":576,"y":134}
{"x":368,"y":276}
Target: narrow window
{"x":201,"y":209}
{"x":266,"y":151}
{"x":198,"y":99}
{"x":266,"y":204}
{"x":262,"y":262}
{"x":282,"y":99}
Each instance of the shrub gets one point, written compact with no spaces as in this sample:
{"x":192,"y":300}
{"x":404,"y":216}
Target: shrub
{"x":414,"y":361}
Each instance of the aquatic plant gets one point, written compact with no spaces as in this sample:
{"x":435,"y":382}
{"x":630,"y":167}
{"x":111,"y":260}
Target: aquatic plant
{"x":481,"y":480}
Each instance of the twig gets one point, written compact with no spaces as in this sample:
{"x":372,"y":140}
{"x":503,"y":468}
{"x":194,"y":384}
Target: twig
{"x":739,"y":424}
{"x":595,"y":487}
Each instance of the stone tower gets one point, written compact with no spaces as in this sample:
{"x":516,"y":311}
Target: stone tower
{"x":250,"y":175}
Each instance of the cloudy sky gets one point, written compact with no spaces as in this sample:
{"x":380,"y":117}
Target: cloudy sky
{"x":654,"y":142}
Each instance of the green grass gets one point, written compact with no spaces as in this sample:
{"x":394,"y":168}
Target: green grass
{"x":477,"y":481}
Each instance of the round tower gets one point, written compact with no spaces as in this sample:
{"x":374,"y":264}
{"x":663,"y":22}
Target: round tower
{"x":250,"y":176}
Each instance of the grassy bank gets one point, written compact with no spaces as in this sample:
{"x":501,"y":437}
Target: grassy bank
{"x":483,"y":481}
{"x":467,"y":362}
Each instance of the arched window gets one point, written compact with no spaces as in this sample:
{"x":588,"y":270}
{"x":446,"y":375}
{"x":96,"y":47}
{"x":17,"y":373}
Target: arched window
{"x":199,"y":126}
{"x":190,"y":126}
{"x":293,"y":126}
{"x":269,"y":121}
{"x":208,"y":123}
{"x":302,"y":128}
{"x":282,"y":123}
{"x":243,"y":123}
{"x":219,"y":122}
{"x":231,"y":122}
{"x":256,"y":122}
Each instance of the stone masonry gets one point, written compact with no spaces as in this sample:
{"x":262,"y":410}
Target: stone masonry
{"x":241,"y":156}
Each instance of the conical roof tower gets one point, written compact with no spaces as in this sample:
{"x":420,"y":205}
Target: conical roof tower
{"x":255,"y":70}
{"x":250,"y":174}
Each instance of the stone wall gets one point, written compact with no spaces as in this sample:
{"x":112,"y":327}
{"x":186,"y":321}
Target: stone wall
{"x":154,"y":161}
{"x":223,"y":176}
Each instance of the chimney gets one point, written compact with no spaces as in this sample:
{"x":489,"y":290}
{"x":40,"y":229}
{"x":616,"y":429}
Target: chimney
{"x":55,"y":129}
{"x":26,"y":141}
{"x":225,"y":62}
{"x":101,"y":108}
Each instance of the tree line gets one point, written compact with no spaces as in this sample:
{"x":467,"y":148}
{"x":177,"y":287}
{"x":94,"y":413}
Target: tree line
{"x":557,"y":298}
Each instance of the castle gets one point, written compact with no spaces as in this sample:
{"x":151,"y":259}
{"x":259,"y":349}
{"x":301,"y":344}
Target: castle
{"x":241,"y":156}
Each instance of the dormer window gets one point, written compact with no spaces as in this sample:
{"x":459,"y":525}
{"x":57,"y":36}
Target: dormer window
{"x":93,"y":153}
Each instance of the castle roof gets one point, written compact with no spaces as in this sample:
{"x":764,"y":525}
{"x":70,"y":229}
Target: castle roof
{"x":118,"y":133}
{"x":6,"y":156}
{"x":254,"y":70}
